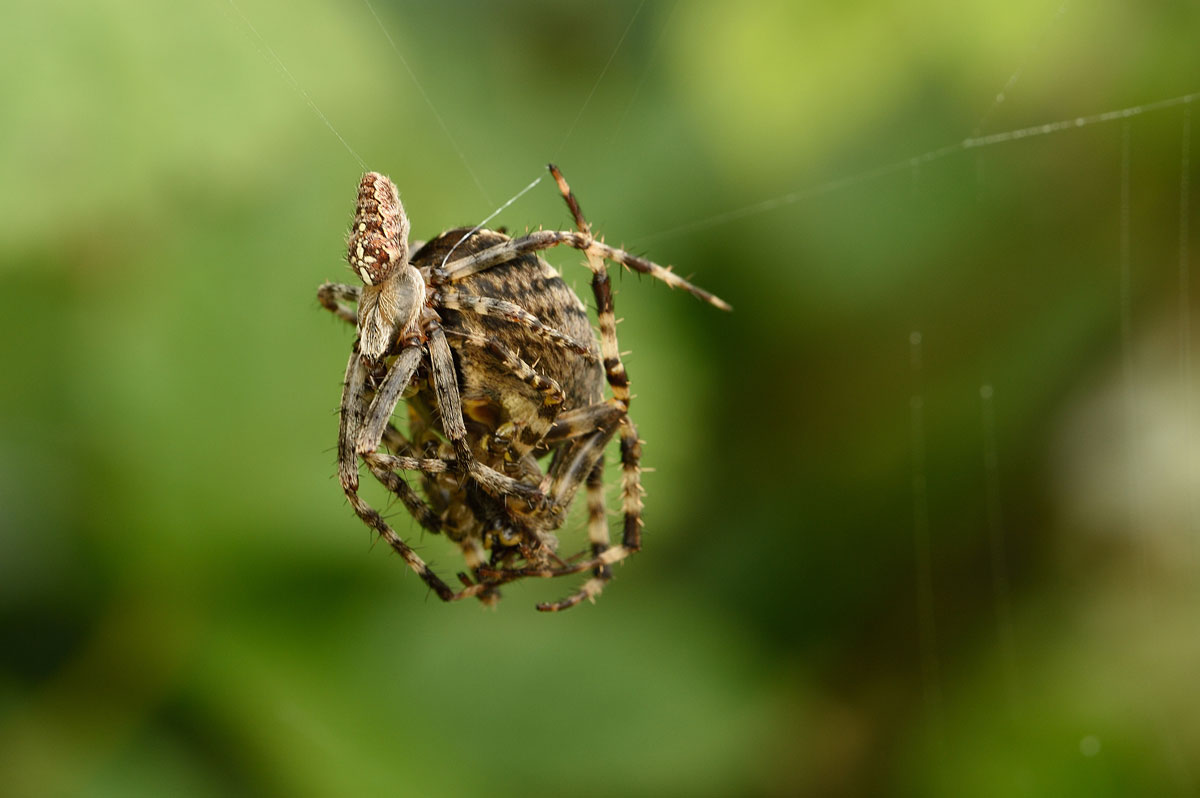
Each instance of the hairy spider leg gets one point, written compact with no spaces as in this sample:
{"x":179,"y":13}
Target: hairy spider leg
{"x":582,"y":421}
{"x":377,"y":427}
{"x":445,"y":383}
{"x":618,"y":381}
{"x":631,"y":503}
{"x":552,"y":395}
{"x":371,"y":430}
{"x":382,"y":465}
{"x":335,"y":297}
{"x":491,"y":480}
{"x":538,"y":240}
{"x":352,"y":417}
{"x":572,"y":464}
{"x":584,"y":455}
{"x":510,"y":312}
{"x":597,"y":525}
{"x":425,"y":437}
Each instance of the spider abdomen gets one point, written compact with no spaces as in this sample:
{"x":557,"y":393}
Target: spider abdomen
{"x":533,"y":285}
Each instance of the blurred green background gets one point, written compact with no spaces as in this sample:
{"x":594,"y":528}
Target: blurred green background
{"x":924,"y":518}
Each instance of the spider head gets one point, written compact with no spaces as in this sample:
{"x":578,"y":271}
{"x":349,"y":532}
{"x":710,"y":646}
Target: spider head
{"x":378,"y":244}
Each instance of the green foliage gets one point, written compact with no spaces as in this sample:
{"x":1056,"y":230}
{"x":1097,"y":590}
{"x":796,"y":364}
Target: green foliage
{"x":188,"y":606}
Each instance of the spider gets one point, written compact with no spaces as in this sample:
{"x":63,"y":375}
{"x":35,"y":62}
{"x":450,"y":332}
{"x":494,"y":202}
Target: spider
{"x":500,"y":368}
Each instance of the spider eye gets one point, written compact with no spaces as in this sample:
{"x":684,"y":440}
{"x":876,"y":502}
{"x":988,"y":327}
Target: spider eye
{"x":378,"y":242}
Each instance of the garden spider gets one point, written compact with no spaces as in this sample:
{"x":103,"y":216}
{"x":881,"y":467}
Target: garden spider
{"x":501,"y":368}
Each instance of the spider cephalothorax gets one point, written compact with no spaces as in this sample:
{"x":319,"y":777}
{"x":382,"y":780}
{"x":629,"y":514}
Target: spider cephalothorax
{"x":504,"y":381}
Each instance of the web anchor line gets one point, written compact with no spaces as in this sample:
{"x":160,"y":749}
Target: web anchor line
{"x":599,"y":79}
{"x":490,"y":216}
{"x":268,"y":53}
{"x":969,"y":143}
{"x":432,"y":108}
{"x":1011,"y":83}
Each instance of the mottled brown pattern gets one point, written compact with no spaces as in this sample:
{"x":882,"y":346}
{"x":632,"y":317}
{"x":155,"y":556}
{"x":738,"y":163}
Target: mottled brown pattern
{"x":532,"y":284}
{"x":502,"y":376}
{"x":378,"y":238}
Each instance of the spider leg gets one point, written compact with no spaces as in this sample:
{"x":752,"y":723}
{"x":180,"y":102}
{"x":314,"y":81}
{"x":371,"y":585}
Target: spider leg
{"x":502,"y":309}
{"x":352,"y":417}
{"x":596,"y":254}
{"x":428,"y":443}
{"x":631,"y":492}
{"x":538,"y":240}
{"x":471,"y":546}
{"x":586,"y":457}
{"x":581,"y":224}
{"x":598,"y":535}
{"x":581,"y":456}
{"x":552,"y":397}
{"x":631,"y":499}
{"x":336,"y":298}
{"x":618,"y":381}
{"x":631,"y":504}
{"x":572,"y":464}
{"x":581,"y":421}
{"x":402,"y":458}
{"x":422,"y":464}
{"x":445,"y":382}
{"x":371,"y":430}
{"x":585,"y":453}
{"x":423,"y":434}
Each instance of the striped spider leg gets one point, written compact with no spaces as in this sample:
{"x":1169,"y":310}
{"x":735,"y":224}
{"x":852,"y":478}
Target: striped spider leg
{"x":516,"y":376}
{"x":394,"y":318}
{"x":392,"y":312}
{"x":590,"y":428}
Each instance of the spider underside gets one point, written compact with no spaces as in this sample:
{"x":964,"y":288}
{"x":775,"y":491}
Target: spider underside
{"x":503,"y":379}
